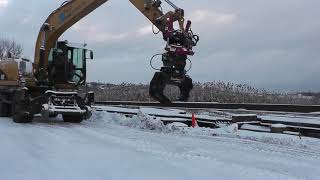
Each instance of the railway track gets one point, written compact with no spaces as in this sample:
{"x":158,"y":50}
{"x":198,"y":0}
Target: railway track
{"x":203,"y":121}
{"x":223,"y":106}
{"x":306,"y":125}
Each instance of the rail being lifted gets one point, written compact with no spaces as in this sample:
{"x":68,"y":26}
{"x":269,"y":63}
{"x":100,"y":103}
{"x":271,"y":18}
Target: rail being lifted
{"x":209,"y":105}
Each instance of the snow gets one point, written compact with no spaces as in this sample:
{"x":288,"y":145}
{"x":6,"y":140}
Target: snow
{"x":157,"y":111}
{"x":278,"y":126}
{"x":243,"y":115}
{"x":255,"y":128}
{"x":112,"y":146}
{"x":292,"y":118}
{"x":162,"y":111}
{"x":61,"y":92}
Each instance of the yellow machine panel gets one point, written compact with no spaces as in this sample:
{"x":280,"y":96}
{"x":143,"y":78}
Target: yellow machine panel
{"x":9,"y":73}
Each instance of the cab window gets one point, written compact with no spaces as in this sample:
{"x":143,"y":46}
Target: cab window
{"x":76,"y":57}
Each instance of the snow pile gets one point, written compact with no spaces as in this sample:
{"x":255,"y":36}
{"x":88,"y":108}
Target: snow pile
{"x":151,"y":123}
{"x":140,"y":121}
{"x":147,"y":122}
{"x":144,"y":121}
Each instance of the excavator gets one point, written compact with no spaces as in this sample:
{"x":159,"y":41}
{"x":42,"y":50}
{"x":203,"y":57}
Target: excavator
{"x":59,"y":67}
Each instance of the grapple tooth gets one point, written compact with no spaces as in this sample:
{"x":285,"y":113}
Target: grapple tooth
{"x":185,"y":87}
{"x":157,"y":86}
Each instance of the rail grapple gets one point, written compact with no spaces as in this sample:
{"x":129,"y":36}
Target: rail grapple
{"x":179,"y":47}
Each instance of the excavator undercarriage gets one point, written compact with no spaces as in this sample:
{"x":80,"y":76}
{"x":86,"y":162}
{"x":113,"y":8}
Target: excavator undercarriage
{"x":22,"y":104}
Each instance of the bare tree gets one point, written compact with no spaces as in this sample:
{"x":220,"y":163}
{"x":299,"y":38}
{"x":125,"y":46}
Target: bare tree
{"x":10,"y":46}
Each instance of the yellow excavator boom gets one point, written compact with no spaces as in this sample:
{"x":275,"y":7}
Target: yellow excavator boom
{"x":72,"y":11}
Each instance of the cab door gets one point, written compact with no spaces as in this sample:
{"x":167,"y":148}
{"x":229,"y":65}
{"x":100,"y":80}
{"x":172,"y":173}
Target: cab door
{"x":77,"y":66}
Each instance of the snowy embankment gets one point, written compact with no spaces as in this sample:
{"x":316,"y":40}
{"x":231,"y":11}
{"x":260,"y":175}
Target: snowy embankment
{"x":112,"y":146}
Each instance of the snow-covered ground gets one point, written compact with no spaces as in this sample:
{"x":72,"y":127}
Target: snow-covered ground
{"x":110,"y":146}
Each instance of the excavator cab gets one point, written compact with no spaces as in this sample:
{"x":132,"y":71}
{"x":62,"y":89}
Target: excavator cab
{"x":67,"y":65}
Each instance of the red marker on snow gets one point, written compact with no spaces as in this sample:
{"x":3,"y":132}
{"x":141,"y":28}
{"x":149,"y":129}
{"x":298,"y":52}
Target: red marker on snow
{"x":194,"y":121}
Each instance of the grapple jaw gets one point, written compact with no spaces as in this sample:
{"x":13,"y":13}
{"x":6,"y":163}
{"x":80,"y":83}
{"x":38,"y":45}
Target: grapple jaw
{"x":161,"y":79}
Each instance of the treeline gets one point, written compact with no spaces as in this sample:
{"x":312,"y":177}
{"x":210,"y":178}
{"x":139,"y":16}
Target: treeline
{"x":202,"y":92}
{"x":9,"y":48}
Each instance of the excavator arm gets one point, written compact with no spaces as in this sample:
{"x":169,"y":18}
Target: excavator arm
{"x":153,"y":11}
{"x":179,"y":42}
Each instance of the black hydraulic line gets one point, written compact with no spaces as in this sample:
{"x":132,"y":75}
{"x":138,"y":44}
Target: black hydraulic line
{"x":172,"y":4}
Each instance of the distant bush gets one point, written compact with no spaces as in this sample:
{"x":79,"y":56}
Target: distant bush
{"x":217,"y":91}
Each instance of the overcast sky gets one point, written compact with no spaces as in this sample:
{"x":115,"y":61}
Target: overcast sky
{"x":273,"y":44}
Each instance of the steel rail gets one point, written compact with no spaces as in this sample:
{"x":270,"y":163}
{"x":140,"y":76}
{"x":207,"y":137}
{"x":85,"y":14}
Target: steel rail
{"x":183,"y":118}
{"x":305,"y":129}
{"x":229,"y":106}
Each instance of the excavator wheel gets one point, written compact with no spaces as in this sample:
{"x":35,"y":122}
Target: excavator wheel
{"x":53,"y":115}
{"x":157,"y":86}
{"x":18,"y":110}
{"x":20,"y":117}
{"x":72,"y":118}
{"x":5,"y":108}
